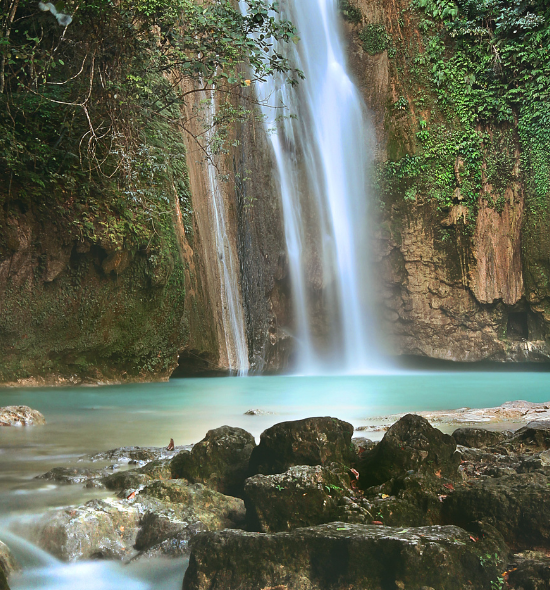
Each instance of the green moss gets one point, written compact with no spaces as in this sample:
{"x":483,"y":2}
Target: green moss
{"x":374,"y":39}
{"x":350,"y":12}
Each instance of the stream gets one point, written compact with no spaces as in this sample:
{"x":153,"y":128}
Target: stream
{"x":85,"y":420}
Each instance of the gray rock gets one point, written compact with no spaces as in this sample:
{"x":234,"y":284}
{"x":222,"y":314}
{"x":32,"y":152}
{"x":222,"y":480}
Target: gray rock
{"x":8,"y":563}
{"x":313,"y":441}
{"x":341,"y":556}
{"x":479,"y":438}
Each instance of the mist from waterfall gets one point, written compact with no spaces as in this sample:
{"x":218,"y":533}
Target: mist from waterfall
{"x":323,"y":152}
{"x":231,"y":303}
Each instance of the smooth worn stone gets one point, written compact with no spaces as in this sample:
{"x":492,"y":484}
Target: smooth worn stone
{"x":479,"y":438}
{"x":517,"y":505}
{"x":339,"y":556}
{"x":8,"y":563}
{"x":219,"y":461}
{"x":313,"y":441}
{"x":411,"y":444}
{"x":20,"y":416}
{"x":302,"y":496}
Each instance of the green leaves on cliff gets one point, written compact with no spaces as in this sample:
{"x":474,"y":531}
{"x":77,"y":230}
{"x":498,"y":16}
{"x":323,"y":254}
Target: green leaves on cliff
{"x":489,"y":62}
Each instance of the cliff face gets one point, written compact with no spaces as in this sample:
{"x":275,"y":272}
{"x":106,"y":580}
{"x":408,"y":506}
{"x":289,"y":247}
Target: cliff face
{"x":458,"y":280}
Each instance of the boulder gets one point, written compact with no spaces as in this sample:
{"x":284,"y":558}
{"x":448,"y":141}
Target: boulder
{"x":3,"y":581}
{"x":136,"y":455}
{"x":313,"y":441}
{"x":533,"y":437}
{"x":219,"y":461}
{"x":530,"y":574}
{"x":362,"y":445}
{"x":517,"y":505}
{"x":411,"y":444}
{"x":20,"y":416}
{"x":479,"y":438}
{"x":159,"y":520}
{"x":73,"y":475}
{"x":339,"y":556}
{"x":302,"y":496}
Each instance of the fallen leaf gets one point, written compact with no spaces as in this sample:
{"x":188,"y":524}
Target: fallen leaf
{"x":131,"y":496}
{"x":384,"y":496}
{"x":438,"y":473}
{"x":449,"y":486}
{"x":473,"y":539}
{"x":377,"y":522}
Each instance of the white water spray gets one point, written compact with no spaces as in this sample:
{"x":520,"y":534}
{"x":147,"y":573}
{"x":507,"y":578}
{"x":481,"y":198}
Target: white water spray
{"x":231,"y":302}
{"x":323,"y":155}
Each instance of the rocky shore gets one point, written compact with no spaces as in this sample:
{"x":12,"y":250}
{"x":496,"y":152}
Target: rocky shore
{"x":312,"y":508}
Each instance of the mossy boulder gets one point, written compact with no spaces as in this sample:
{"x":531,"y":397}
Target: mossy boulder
{"x":339,"y":556}
{"x":479,"y":438}
{"x":302,"y":496}
{"x":219,"y":461}
{"x":313,"y":441}
{"x":411,"y":444}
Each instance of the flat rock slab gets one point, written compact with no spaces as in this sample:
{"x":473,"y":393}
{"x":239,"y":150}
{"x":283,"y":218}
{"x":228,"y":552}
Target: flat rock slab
{"x":20,"y":416}
{"x":340,"y":556}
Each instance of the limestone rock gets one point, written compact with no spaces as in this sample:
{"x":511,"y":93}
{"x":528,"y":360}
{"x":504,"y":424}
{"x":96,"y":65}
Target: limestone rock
{"x":302,"y":496}
{"x":219,"y":461}
{"x":411,"y":444}
{"x":479,"y":437}
{"x":313,"y":441}
{"x":341,"y":556}
{"x":20,"y":416}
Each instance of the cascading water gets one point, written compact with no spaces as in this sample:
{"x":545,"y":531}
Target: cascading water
{"x":323,"y":154}
{"x":231,"y":304}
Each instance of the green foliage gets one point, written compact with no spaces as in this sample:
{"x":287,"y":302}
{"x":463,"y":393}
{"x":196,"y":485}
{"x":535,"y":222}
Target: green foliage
{"x":487,"y":64}
{"x":350,"y":12}
{"x":91,"y":115}
{"x":374,"y":39}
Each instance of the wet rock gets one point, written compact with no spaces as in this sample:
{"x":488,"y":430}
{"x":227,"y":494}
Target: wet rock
{"x":517,"y":505}
{"x":411,"y":444}
{"x":341,"y":556}
{"x":20,"y":416}
{"x":137,"y":455}
{"x":126,"y":480}
{"x":97,"y":529}
{"x":219,"y":461}
{"x":8,"y":563}
{"x":302,"y":496}
{"x":3,"y":581}
{"x":313,"y":441}
{"x":479,"y":438}
{"x":73,"y":475}
{"x":158,"y":520}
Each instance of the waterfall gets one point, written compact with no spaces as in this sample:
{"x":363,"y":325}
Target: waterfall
{"x":231,"y":303}
{"x":323,"y":152}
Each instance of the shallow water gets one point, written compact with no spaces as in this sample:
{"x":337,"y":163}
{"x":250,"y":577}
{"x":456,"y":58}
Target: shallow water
{"x":84,"y":420}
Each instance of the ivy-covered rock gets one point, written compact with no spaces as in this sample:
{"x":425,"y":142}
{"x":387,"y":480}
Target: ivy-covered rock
{"x":313,"y":441}
{"x":479,"y":438}
{"x":411,"y":444}
{"x":219,"y":461}
{"x":302,"y":496}
{"x":341,"y":556}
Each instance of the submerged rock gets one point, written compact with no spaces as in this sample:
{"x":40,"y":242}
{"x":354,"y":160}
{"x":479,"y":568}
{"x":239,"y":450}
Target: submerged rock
{"x":341,"y":556}
{"x":302,"y":496}
{"x":479,"y":438}
{"x":411,"y":444}
{"x":219,"y":461}
{"x":313,"y":441}
{"x":73,"y":475}
{"x":20,"y":416}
